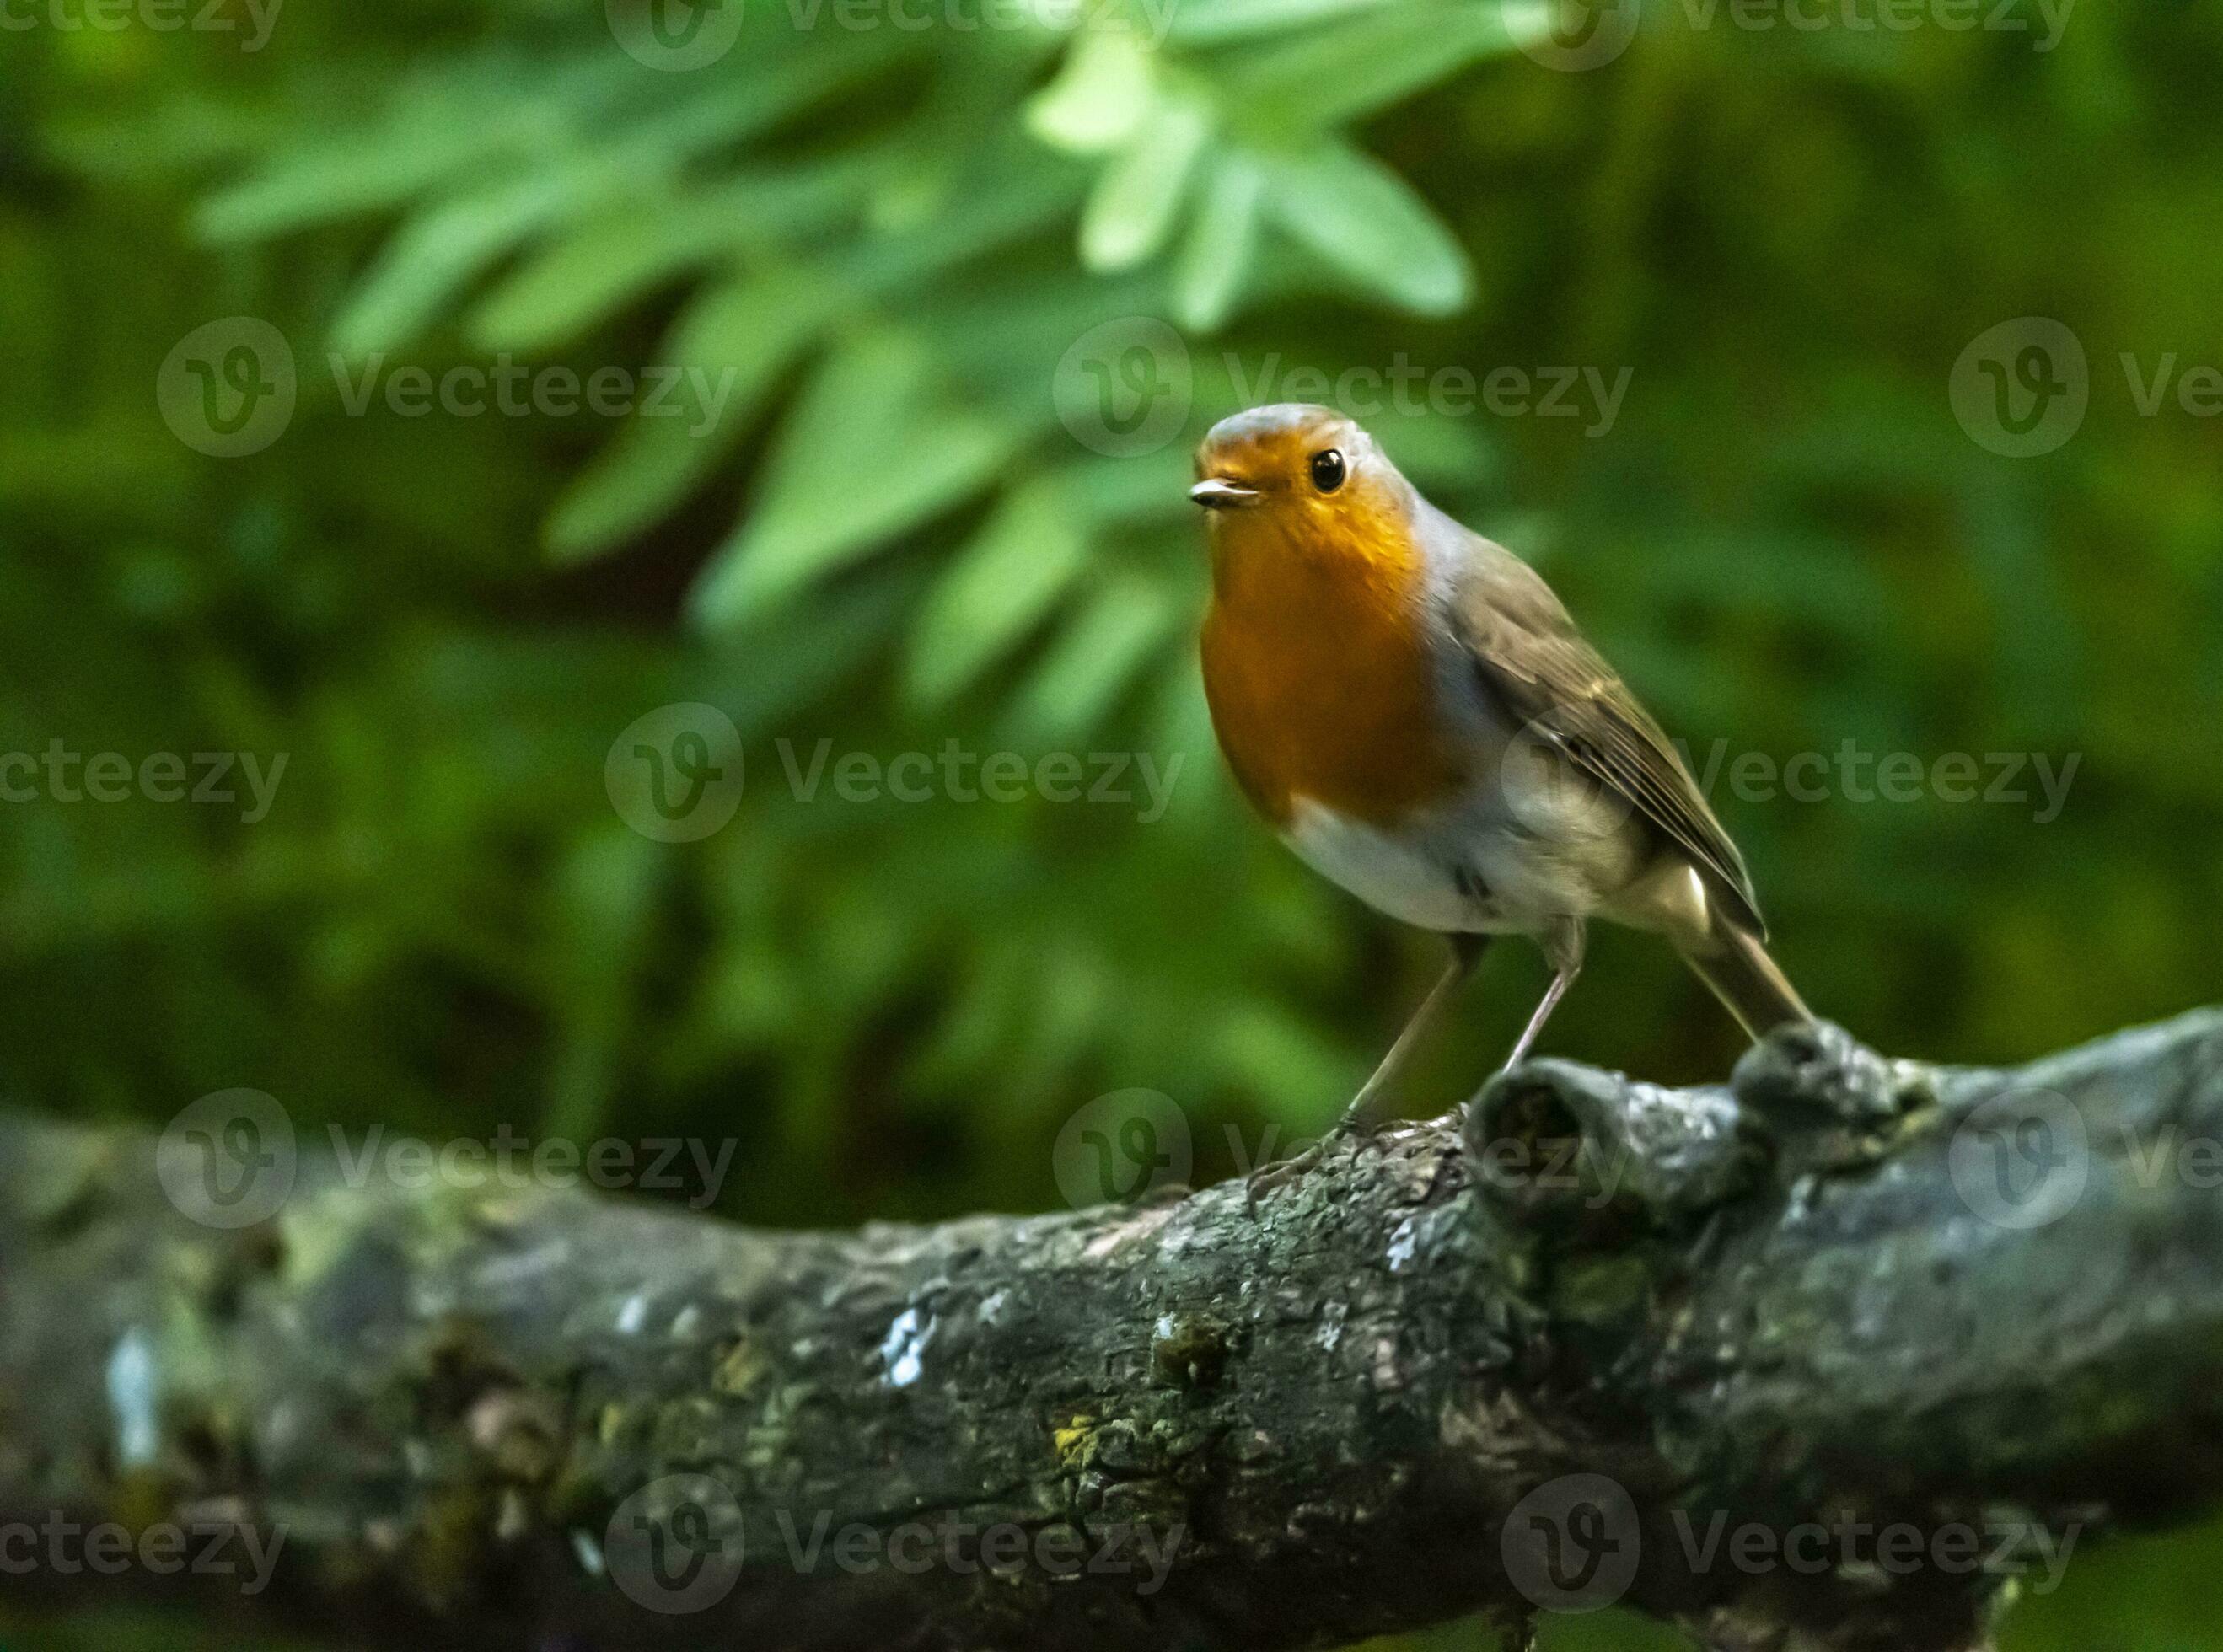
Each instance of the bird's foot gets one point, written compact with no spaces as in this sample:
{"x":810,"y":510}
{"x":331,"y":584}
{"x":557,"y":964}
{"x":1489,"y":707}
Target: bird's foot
{"x":1350,"y":1133}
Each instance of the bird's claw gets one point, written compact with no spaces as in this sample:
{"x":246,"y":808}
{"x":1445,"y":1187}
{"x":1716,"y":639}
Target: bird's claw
{"x":1279,"y":1172}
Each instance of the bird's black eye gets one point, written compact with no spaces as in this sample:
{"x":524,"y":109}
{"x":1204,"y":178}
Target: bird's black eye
{"x":1327,"y":470}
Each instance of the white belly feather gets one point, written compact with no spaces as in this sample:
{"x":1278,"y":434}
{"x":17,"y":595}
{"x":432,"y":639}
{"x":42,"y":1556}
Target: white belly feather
{"x":1392,"y":872}
{"x":1509,"y":857}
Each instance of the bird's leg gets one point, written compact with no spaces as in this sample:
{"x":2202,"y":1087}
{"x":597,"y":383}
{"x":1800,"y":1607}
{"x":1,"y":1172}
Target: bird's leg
{"x":1367,"y":1107}
{"x":1563,"y":950}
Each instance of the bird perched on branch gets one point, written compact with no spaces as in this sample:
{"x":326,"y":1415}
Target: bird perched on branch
{"x":1414,"y":712}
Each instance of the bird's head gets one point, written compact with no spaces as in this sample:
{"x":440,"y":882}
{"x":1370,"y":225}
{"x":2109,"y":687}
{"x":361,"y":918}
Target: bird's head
{"x":1304,"y":475}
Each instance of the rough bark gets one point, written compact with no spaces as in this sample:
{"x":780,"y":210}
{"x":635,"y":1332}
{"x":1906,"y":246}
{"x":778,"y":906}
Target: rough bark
{"x":1803,"y":1302}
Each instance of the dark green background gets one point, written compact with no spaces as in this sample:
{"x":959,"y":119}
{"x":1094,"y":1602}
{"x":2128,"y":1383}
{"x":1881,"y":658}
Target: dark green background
{"x":1785,"y":236}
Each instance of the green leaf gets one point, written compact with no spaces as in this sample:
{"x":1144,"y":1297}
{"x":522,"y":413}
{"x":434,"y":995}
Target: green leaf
{"x":1142,"y":487}
{"x":588,"y":275}
{"x":1131,"y":211}
{"x":1001,"y":331}
{"x":466,"y":123}
{"x":431,"y":133}
{"x":738,"y":338}
{"x":439,"y":251}
{"x":625,"y":252}
{"x":1225,"y":20}
{"x":1366,"y":220}
{"x":1099,"y":654}
{"x":370,"y":173}
{"x":877,"y":445}
{"x":1029,"y":191}
{"x":1330,"y":77}
{"x":1221,"y":241}
{"x":1102,"y":93}
{"x":735,"y":108}
{"x":1284,"y":1059}
{"x":994,"y":591}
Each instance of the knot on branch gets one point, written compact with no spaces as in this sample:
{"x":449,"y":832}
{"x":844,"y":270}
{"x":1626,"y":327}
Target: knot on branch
{"x":1826,"y":1101}
{"x":1555,"y":1146}
{"x":1553,"y":1143}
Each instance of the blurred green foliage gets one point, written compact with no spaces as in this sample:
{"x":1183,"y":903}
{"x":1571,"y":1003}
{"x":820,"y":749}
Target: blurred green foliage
{"x":887,"y":241}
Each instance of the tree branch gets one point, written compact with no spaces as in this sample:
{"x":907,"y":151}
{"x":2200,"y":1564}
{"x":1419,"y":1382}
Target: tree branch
{"x":1767,"y":1357}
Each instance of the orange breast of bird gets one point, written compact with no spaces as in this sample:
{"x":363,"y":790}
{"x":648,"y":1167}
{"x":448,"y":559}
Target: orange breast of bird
{"x":1320,"y":677}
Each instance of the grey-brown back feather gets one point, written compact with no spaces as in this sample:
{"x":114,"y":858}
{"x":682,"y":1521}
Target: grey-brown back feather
{"x":1527,"y":653}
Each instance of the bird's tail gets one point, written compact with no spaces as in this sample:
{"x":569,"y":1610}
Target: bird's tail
{"x":1736,"y":965}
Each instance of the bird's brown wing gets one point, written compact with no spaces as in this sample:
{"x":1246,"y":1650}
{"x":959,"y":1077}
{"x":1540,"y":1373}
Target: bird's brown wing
{"x":1527,"y":653}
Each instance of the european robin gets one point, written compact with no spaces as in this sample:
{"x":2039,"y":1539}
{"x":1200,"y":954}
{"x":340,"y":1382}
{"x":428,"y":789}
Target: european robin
{"x":1411,"y":708}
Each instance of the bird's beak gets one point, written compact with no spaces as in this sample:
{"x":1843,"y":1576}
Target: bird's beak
{"x":1218,"y":494}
